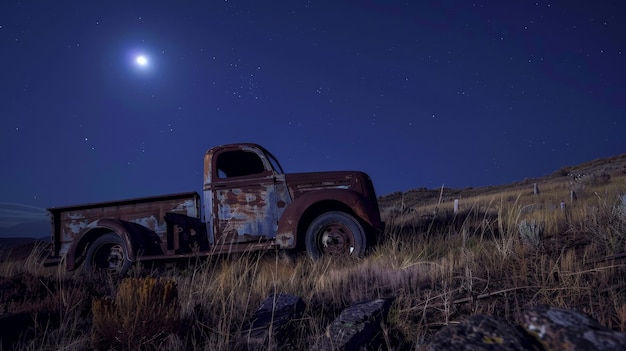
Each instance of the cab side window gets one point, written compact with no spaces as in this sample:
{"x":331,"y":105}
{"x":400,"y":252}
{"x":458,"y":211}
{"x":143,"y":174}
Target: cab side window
{"x":238,"y":164}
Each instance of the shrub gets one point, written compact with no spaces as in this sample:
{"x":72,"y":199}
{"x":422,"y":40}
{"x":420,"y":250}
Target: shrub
{"x":145,"y":311}
{"x":531,"y":232}
{"x":597,"y":178}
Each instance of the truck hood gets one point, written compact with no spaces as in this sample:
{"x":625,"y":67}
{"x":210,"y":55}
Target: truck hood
{"x":300,"y":183}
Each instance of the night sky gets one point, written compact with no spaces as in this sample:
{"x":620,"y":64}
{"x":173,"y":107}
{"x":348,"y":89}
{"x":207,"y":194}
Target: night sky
{"x":415,"y":93}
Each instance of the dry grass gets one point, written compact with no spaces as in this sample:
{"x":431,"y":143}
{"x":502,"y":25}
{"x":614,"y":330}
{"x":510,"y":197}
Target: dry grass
{"x":144,"y":312}
{"x":438,"y":266}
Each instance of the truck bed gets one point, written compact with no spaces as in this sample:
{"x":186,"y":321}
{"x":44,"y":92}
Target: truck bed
{"x":69,"y":222}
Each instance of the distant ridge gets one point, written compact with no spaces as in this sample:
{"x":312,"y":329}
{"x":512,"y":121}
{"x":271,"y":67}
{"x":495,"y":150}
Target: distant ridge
{"x":34,"y":229}
{"x":612,"y":166}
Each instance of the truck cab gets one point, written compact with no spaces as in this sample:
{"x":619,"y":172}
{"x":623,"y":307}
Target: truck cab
{"x":245,"y":194}
{"x":249,"y":199}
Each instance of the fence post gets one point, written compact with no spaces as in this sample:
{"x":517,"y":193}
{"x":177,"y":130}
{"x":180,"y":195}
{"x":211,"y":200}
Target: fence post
{"x":456,"y":206}
{"x":535,"y":189}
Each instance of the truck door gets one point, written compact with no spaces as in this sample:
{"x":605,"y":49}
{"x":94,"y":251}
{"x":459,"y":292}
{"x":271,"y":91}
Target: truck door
{"x":248,"y":196}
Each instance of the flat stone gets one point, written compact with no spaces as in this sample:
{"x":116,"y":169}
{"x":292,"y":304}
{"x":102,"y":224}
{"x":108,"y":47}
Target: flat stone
{"x":478,"y":333}
{"x":271,"y":325}
{"x":356,"y":326}
{"x":566,"y":329}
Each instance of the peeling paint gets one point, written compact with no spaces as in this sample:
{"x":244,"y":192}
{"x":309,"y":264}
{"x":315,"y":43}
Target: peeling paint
{"x":286,"y":239}
{"x":246,"y":211}
{"x":152,"y":223}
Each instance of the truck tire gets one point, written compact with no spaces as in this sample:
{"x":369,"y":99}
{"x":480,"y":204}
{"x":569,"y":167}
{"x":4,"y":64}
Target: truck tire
{"x":108,"y":253}
{"x":335,"y":233}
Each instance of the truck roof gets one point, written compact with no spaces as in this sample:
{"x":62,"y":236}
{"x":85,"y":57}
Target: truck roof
{"x":236,"y":146}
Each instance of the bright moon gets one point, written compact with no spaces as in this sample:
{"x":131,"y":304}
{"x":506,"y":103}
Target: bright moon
{"x":141,"y":61}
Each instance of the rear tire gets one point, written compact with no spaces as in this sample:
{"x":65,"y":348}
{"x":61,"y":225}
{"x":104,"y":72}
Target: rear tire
{"x":336,"y":234}
{"x":108,"y":254}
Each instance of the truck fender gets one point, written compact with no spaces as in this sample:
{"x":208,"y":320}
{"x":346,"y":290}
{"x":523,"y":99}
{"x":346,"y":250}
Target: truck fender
{"x":135,"y":236}
{"x":299,"y":213}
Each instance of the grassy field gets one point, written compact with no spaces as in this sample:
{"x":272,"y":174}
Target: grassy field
{"x":505,"y":248}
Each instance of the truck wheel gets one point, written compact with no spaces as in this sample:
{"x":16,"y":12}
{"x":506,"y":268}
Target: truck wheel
{"x":108,"y":253}
{"x":335,"y":233}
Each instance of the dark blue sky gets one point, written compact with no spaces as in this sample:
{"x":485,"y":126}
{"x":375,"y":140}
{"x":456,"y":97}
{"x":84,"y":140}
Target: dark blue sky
{"x":415,"y":93}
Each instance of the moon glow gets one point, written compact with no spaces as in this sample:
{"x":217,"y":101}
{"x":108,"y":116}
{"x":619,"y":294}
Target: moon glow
{"x":141,"y":61}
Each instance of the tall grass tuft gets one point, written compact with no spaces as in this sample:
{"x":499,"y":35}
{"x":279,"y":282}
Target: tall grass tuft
{"x":144,"y":312}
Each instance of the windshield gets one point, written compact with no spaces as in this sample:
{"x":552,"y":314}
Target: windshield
{"x":277,"y":168}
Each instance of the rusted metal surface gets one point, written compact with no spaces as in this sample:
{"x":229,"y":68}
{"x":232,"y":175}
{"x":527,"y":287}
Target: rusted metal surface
{"x":72,"y":222}
{"x":353,"y":188}
{"x":300,"y":183}
{"x":358,"y":197}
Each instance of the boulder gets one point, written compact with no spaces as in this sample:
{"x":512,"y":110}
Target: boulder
{"x":566,"y":329}
{"x":481,"y":332}
{"x":271,"y":326}
{"x":357,"y":326}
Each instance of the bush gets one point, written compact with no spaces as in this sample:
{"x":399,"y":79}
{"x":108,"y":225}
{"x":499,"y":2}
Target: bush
{"x":531,"y":232}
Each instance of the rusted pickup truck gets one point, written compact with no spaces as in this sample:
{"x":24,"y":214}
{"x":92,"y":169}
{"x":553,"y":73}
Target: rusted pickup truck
{"x":248,"y":203}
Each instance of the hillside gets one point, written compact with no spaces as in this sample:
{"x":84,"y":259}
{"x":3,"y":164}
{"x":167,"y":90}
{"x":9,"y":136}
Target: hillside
{"x":590,"y":171}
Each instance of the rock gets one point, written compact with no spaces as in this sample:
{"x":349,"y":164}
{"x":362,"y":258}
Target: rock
{"x":271,"y":325}
{"x":561,"y":329}
{"x":357,"y":326}
{"x":481,"y":332}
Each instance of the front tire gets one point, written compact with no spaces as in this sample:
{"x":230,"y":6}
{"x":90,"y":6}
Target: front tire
{"x":337,"y":234}
{"x":109,"y":254}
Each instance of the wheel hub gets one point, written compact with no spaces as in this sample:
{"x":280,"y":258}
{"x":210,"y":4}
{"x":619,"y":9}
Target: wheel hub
{"x":337,"y":240}
{"x":116,"y":257}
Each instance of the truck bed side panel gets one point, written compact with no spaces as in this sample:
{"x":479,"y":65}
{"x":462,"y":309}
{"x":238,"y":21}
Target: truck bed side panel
{"x":70,"y":222}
